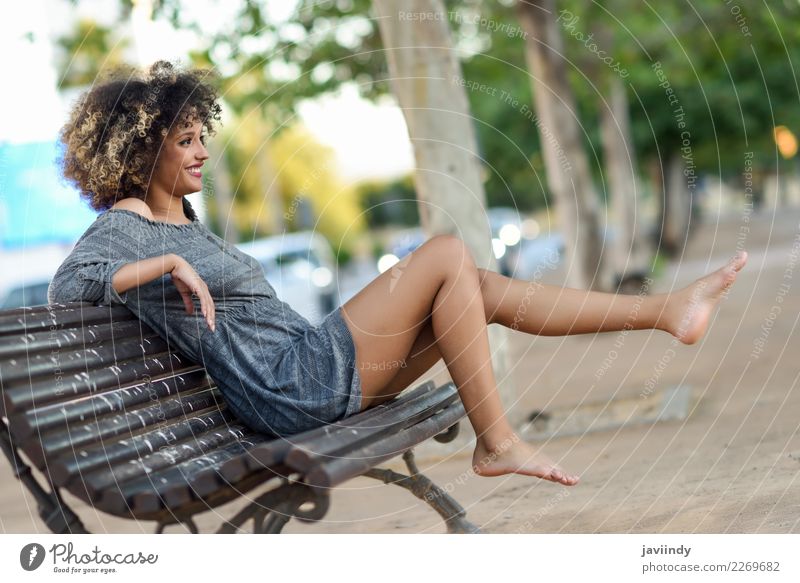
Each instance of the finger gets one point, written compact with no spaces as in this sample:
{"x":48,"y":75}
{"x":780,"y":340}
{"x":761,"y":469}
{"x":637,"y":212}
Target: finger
{"x":208,"y":307}
{"x":212,"y":311}
{"x":198,"y":293}
{"x":187,"y":301}
{"x":205,"y":300}
{"x":213,"y":308}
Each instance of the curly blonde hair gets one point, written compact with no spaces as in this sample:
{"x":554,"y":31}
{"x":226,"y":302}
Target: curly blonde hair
{"x":116,"y":128}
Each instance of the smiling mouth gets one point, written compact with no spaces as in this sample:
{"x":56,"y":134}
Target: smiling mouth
{"x":195,"y":171}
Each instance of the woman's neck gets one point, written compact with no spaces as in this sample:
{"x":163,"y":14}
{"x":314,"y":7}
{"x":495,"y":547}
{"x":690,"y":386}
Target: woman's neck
{"x":167,"y":208}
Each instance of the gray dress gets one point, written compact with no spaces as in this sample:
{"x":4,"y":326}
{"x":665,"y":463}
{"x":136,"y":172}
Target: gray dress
{"x":278,"y":373}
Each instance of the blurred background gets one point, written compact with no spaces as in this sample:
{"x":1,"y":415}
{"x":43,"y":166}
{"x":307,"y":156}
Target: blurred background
{"x":598,"y":153}
{"x":616,"y":145}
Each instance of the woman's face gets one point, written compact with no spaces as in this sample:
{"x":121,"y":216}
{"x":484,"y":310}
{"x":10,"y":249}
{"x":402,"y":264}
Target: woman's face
{"x":177,"y":169}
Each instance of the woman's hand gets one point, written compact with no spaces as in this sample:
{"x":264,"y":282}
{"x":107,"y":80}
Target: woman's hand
{"x":185,"y":278}
{"x":189,"y":284}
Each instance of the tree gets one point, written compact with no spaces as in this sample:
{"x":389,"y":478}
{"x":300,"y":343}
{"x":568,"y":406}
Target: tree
{"x":731,"y":66}
{"x":630,"y":252}
{"x":425,"y":75}
{"x":710,"y":86}
{"x":568,"y":175}
{"x":86,"y":52}
{"x":599,"y":51}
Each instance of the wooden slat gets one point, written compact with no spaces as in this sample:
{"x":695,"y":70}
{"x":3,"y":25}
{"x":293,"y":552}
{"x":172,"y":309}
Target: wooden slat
{"x":174,"y":495}
{"x":69,"y":469}
{"x":58,"y":316}
{"x":45,"y":365}
{"x":334,"y":472}
{"x":149,"y":465}
{"x":61,"y":415}
{"x":307,"y":453}
{"x":273,"y":453}
{"x":148,"y":494}
{"x":222,"y":475}
{"x":82,"y":384}
{"x":127,"y":423}
{"x":22,"y":344}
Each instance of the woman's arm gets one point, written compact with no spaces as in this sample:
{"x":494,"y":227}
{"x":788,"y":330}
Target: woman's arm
{"x":137,"y":273}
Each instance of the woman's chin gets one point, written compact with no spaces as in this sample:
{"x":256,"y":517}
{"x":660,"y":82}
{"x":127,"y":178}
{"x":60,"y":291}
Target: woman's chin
{"x":189,"y":188}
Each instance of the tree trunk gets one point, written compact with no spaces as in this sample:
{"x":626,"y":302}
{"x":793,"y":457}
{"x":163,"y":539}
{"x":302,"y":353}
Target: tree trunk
{"x":676,"y":208}
{"x":425,"y":73}
{"x":630,"y":252}
{"x":568,"y":177}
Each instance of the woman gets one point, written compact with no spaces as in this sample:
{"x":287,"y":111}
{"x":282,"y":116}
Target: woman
{"x":135,"y":148}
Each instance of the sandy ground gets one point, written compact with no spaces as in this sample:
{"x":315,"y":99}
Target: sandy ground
{"x":732,"y":465}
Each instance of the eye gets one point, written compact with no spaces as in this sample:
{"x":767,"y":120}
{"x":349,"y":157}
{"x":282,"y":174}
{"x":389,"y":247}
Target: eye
{"x":187,"y":140}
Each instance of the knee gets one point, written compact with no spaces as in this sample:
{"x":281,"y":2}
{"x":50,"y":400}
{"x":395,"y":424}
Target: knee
{"x":453,"y":252}
{"x":487,"y":280}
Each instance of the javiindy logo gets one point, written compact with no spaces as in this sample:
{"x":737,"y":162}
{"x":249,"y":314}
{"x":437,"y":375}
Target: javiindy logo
{"x":31,"y":556}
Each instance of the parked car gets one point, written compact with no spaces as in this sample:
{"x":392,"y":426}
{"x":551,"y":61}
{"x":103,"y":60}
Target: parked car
{"x":401,"y":244}
{"x":506,"y":228}
{"x":506,"y":233}
{"x":539,"y":255}
{"x":302,"y":268}
{"x":25,"y":274}
{"x":19,"y":295}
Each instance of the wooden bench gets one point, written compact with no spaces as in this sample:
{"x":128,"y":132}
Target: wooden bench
{"x":105,"y":410}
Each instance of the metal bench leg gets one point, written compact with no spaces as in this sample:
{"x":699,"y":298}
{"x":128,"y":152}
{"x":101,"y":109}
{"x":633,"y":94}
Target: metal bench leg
{"x":273,"y":509}
{"x":188,"y":522}
{"x":424,"y":489}
{"x":272,"y":521}
{"x":58,"y":517}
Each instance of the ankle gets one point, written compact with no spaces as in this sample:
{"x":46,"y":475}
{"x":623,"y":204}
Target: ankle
{"x":497,"y":443}
{"x":662,"y":312}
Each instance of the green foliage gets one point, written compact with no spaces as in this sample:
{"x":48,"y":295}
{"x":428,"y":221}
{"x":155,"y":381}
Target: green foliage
{"x":392,"y":203}
{"x":88,"y":51}
{"x":732,"y":70}
{"x":343,"y":256}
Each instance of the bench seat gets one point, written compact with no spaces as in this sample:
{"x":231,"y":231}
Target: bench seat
{"x":106,"y":410}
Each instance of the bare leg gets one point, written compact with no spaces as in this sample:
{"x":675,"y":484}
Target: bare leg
{"x":683,"y":313}
{"x":440,"y":281}
{"x":549,"y":310}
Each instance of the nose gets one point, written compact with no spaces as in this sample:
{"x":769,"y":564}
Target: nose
{"x":203,"y":153}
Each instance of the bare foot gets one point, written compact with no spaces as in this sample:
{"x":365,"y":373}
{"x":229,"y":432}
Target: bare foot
{"x":515,"y":456}
{"x":691,"y":308}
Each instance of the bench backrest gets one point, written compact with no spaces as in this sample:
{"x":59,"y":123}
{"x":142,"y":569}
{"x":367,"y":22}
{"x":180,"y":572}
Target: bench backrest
{"x":95,"y":397}
{"x":108,"y":411}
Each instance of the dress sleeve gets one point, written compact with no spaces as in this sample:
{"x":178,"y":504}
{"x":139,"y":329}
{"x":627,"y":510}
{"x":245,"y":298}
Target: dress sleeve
{"x":85,"y":275}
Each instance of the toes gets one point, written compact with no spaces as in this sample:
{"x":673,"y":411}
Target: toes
{"x":557,"y":475}
{"x":742,"y":260}
{"x":569,"y":480}
{"x":738,"y":260}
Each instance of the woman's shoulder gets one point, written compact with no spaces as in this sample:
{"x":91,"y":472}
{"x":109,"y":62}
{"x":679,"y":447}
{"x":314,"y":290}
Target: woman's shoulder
{"x":136,"y":205}
{"x":125,"y":221}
